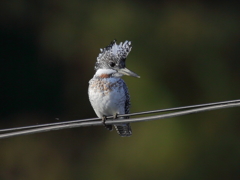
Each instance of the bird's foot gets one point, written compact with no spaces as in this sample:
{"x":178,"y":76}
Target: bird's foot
{"x":109,"y":127}
{"x":115,"y":116}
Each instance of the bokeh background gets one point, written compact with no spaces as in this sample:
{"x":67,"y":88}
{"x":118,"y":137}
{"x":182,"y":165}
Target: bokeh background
{"x":186,"y":52}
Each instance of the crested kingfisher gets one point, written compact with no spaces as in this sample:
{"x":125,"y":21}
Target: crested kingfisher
{"x":108,"y":93}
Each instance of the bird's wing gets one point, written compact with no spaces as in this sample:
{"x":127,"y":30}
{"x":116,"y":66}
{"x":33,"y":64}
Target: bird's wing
{"x":127,"y":102}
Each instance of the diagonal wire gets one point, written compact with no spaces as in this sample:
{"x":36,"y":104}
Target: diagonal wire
{"x":48,"y":124}
{"x":120,"y":115}
{"x":180,"y":108}
{"x":91,"y":122}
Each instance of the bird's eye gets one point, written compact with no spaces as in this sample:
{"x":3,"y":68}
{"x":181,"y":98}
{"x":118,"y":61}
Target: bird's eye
{"x":112,"y":64}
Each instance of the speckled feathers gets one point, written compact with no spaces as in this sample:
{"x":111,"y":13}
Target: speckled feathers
{"x":107,"y":92}
{"x":113,"y":53}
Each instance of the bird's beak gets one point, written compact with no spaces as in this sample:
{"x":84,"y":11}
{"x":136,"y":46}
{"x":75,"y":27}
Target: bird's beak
{"x":127,"y":72}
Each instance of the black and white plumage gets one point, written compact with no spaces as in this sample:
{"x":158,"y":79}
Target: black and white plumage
{"x":107,"y":92}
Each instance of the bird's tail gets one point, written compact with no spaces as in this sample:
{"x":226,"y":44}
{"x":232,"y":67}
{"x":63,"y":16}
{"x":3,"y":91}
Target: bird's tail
{"x":123,"y":130}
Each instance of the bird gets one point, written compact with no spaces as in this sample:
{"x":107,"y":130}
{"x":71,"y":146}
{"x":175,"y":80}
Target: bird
{"x":108,"y":93}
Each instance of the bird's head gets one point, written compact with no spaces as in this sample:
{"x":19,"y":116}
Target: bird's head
{"x":112,"y":59}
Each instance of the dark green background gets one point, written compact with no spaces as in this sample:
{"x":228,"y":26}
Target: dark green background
{"x":186,"y":52}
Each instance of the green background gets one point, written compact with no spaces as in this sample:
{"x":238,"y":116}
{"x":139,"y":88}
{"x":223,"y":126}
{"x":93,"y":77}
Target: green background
{"x":186,"y":52}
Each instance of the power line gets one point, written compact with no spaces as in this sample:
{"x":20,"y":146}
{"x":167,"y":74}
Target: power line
{"x":123,"y":115}
{"x":96,"y":121}
{"x":48,"y":124}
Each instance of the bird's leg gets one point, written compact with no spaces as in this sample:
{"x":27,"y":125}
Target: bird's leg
{"x":115,"y":116}
{"x":109,"y":127}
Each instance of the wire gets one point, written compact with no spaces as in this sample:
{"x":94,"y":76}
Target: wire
{"x":49,"y":124}
{"x":96,"y":122}
{"x":181,"y":108}
{"x":121,"y":115}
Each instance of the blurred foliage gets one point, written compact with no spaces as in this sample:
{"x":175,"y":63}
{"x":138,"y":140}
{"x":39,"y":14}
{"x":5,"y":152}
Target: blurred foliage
{"x":186,"y":53}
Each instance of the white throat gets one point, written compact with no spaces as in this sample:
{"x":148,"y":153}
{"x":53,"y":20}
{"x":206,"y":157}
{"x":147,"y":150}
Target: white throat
{"x":112,"y":72}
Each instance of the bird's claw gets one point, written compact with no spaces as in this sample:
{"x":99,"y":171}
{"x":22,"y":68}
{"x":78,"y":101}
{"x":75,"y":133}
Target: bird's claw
{"x":109,"y":127}
{"x":115,"y":116}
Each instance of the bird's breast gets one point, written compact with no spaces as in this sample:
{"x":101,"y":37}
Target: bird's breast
{"x":107,"y":95}
{"x":105,"y":85}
